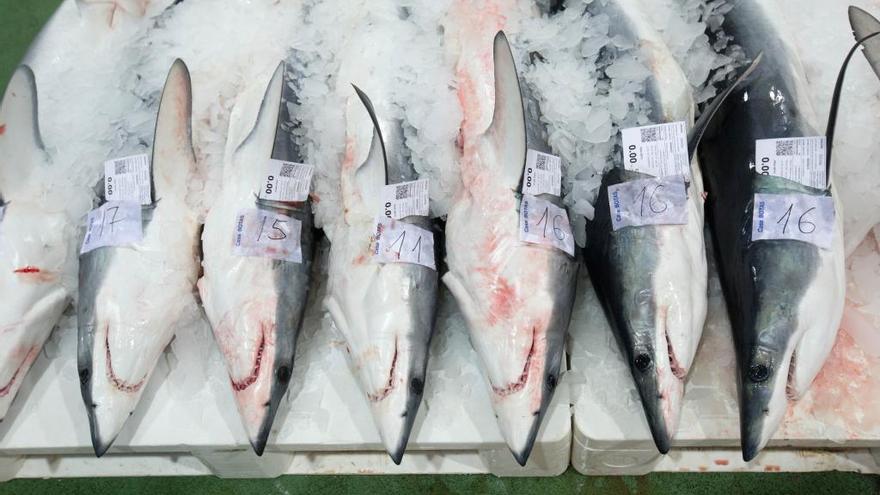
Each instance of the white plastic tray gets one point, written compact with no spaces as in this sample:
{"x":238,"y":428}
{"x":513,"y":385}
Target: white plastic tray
{"x":835,"y":426}
{"x":187,"y":422}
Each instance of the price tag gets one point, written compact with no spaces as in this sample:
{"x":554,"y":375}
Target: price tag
{"x":115,"y":223}
{"x":542,"y":222}
{"x":800,"y":217}
{"x":401,"y":242}
{"x":641,"y":202}
{"x":286,"y":181}
{"x":128,"y":179}
{"x":405,"y":199}
{"x":799,"y":159}
{"x":266,"y":234}
{"x":659,"y":150}
{"x":543,"y":174}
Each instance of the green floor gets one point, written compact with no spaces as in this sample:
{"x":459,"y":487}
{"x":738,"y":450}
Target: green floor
{"x":20,"y":20}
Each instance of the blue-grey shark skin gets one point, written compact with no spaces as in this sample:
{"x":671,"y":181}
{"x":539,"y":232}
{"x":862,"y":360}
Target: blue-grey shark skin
{"x":566,"y":270}
{"x":622,"y":265}
{"x":293,"y":280}
{"x":93,"y":268}
{"x":764,"y":281}
{"x":424,"y":281}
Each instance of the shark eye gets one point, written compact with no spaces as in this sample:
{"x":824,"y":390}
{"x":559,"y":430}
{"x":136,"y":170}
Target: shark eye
{"x":643,"y":362}
{"x":551,"y":381}
{"x":283,"y":374}
{"x":417,"y":386}
{"x":84,"y":375}
{"x":759,"y":372}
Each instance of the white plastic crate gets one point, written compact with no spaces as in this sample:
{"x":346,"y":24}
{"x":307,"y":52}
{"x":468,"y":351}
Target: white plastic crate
{"x":187,"y":421}
{"x":836,"y":426}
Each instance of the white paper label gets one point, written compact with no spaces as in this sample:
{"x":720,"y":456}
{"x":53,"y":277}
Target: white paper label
{"x":799,"y":159}
{"x":115,"y":223}
{"x":661,"y":201}
{"x":660,"y":150}
{"x":542,"y":222}
{"x":266,"y":234}
{"x":128,"y":179}
{"x":543,"y":174}
{"x":405,"y":199}
{"x":286,"y":181}
{"x":401,"y":242}
{"x":800,"y":217}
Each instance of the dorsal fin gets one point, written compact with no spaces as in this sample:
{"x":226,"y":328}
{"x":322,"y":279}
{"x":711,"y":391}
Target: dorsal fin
{"x":21,"y":146}
{"x":508,"y":129}
{"x":259,"y":144}
{"x":864,"y":24}
{"x":861,"y":22}
{"x":709,"y":112}
{"x":173,"y":159}
{"x":371,"y":175}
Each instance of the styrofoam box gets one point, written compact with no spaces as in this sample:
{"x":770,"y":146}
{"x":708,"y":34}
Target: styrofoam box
{"x":836,"y":426}
{"x":187,"y":421}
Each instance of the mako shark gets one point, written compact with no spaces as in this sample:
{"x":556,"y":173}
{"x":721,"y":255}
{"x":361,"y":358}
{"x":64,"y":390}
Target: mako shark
{"x":385,"y":311}
{"x":652,"y":279}
{"x":131,"y":297}
{"x":516,"y":298}
{"x":784,"y":297}
{"x":256,"y":304}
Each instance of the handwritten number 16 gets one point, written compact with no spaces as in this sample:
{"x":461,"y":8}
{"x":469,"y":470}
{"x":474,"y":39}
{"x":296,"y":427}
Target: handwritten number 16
{"x":558,"y":232}
{"x":805,"y":226}
{"x":654,"y":204}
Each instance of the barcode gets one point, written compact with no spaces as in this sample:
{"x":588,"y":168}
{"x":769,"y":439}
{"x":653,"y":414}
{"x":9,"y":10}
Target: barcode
{"x":404,"y":191}
{"x":122,"y":167}
{"x":785,"y":148}
{"x":541,"y":162}
{"x":286,"y":170}
{"x":650,"y":135}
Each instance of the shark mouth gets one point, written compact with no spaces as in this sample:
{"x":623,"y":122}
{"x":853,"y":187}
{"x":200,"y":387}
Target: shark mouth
{"x":117,"y":382}
{"x":518,"y":385}
{"x":4,"y":391}
{"x":677,"y":369}
{"x":790,"y":390}
{"x":240,"y":385}
{"x":389,"y":386}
